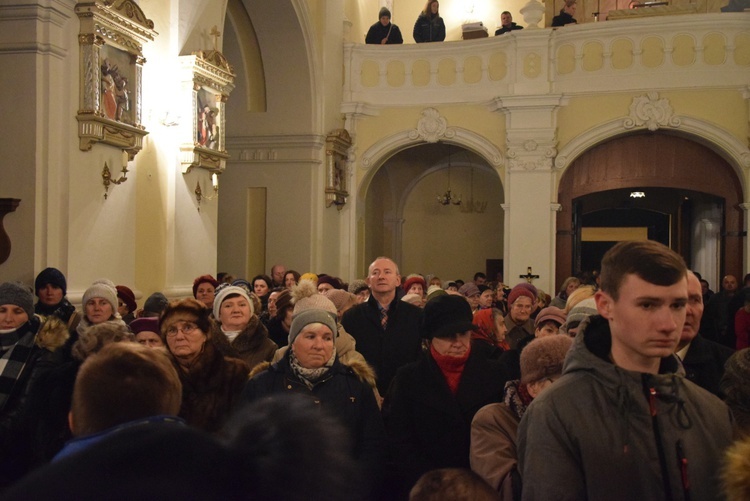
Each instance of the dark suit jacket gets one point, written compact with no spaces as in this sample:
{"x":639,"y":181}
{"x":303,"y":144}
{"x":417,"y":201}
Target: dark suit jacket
{"x":704,"y":363}
{"x":386,"y":351}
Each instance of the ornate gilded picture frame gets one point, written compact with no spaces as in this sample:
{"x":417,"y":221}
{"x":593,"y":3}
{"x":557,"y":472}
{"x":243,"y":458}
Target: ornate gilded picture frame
{"x":111,"y":38}
{"x":338,"y":143}
{"x":207,"y":80}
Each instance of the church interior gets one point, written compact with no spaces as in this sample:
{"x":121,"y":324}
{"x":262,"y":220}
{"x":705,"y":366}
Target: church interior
{"x":151,"y":142}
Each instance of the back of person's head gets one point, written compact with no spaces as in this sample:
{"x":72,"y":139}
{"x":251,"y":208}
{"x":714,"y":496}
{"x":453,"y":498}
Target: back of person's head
{"x":452,"y":484}
{"x":96,"y":337}
{"x":288,"y":437}
{"x":543,"y":358}
{"x":651,"y":261}
{"x":121,"y":383}
{"x":578,"y":295}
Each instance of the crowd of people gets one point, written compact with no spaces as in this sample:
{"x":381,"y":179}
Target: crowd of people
{"x":408,"y":386}
{"x":430,"y":26}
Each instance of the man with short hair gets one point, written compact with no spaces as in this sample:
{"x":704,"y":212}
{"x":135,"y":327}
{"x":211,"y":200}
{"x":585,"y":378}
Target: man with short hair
{"x":479,"y":278}
{"x":105,"y":402}
{"x":386,"y":330}
{"x":622,"y":422}
{"x":507,"y":24}
{"x":277,"y":275}
{"x":702,"y":359}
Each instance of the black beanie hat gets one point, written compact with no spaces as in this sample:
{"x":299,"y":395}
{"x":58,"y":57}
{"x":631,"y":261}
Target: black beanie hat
{"x":445,"y":316}
{"x":50,"y":276}
{"x":384,"y":12}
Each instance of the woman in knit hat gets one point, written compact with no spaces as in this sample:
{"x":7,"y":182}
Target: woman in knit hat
{"x":311,"y":369}
{"x":431,"y":402}
{"x":494,"y":453}
{"x":99,"y":306}
{"x":239,"y":332}
{"x":305,"y":297}
{"x":26,"y":350}
{"x":211,"y":382}
{"x":126,"y":304}
{"x":51,"y":287}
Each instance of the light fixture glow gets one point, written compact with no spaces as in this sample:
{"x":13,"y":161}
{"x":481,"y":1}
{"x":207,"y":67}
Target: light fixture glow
{"x":637,"y":194}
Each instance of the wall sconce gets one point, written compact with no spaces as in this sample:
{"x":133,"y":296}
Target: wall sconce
{"x":199,"y":192}
{"x":107,"y":175}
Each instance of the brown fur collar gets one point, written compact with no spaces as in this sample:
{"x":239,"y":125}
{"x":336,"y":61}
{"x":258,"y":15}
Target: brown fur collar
{"x":52,"y":334}
{"x":736,"y":473}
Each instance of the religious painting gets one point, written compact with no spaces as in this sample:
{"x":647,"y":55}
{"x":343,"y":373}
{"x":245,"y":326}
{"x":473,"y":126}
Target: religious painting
{"x":110,"y":40}
{"x":207,"y":79}
{"x":117,"y":74}
{"x":207,"y":115}
{"x":338,"y":144}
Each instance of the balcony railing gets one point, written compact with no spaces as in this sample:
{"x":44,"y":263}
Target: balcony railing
{"x":665,"y":52}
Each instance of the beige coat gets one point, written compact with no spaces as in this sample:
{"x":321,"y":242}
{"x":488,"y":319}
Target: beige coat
{"x":494,"y":454}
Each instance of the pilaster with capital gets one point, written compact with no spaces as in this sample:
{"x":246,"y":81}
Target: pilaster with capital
{"x":531,"y":141}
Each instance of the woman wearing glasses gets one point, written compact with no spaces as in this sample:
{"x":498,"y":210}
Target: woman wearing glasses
{"x":211,"y":383}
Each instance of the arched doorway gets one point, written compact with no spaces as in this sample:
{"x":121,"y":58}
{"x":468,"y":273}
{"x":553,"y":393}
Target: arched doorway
{"x":696,"y":192}
{"x":404,"y":219}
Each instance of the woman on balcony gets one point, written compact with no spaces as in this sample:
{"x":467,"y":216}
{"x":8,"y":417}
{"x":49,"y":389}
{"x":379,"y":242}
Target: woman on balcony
{"x":429,"y":26}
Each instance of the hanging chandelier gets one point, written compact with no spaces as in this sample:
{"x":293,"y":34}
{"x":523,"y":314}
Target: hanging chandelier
{"x":448,"y":198}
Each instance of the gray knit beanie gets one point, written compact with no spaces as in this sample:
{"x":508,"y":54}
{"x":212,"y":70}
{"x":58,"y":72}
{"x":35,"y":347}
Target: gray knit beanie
{"x":311,"y":316}
{"x":18,"y":294}
{"x":579,"y":312}
{"x":222,"y":294}
{"x":306,"y":297}
{"x":105,"y":289}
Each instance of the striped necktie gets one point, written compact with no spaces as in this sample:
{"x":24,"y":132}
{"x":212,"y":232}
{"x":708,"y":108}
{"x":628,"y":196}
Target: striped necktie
{"x":384,"y":318}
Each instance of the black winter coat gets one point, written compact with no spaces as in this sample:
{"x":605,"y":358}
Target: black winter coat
{"x":427,"y":426}
{"x":378,"y":32}
{"x":704,"y":363}
{"x":386,"y":351}
{"x":429,"y":29}
{"x":345,"y":393}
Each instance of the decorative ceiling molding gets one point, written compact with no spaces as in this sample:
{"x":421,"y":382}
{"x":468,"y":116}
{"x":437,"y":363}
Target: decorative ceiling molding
{"x":652,"y":112}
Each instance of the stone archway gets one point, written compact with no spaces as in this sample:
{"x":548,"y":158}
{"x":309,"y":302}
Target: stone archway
{"x":652,"y":160}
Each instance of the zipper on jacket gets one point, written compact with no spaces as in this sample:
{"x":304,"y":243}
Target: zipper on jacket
{"x":650,"y":392}
{"x":682,"y":462}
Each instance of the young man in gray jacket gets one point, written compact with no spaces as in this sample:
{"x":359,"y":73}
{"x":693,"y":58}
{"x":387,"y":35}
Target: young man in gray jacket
{"x":622,"y":422}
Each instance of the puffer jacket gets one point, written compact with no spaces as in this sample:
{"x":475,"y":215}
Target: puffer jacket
{"x":602,"y":432}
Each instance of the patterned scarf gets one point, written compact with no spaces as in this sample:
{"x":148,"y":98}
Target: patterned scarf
{"x":517,"y":397}
{"x":310,"y":376}
{"x":15,"y":349}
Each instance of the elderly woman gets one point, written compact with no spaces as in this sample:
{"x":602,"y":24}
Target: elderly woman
{"x":204,"y":288}
{"x":211,"y":383}
{"x":489,"y":337}
{"x":311,"y":369}
{"x":146,"y":331}
{"x":430,"y":404}
{"x":494,"y":453}
{"x":26,"y":347}
{"x":240,"y":333}
{"x":569,"y":285}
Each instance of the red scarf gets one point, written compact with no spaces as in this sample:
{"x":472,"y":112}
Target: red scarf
{"x":451,"y":367}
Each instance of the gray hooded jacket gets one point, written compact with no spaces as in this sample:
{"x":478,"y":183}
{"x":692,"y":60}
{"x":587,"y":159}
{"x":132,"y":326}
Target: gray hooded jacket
{"x":602,"y":432}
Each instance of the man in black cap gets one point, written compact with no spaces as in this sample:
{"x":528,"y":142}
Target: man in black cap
{"x":384,"y":32}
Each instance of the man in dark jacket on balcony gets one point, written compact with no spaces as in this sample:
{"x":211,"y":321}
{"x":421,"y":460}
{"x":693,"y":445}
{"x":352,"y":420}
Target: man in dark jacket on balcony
{"x":384,"y":32}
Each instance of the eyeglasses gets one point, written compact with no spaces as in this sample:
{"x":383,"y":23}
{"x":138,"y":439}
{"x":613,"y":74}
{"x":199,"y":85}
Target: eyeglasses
{"x":186,"y":328}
